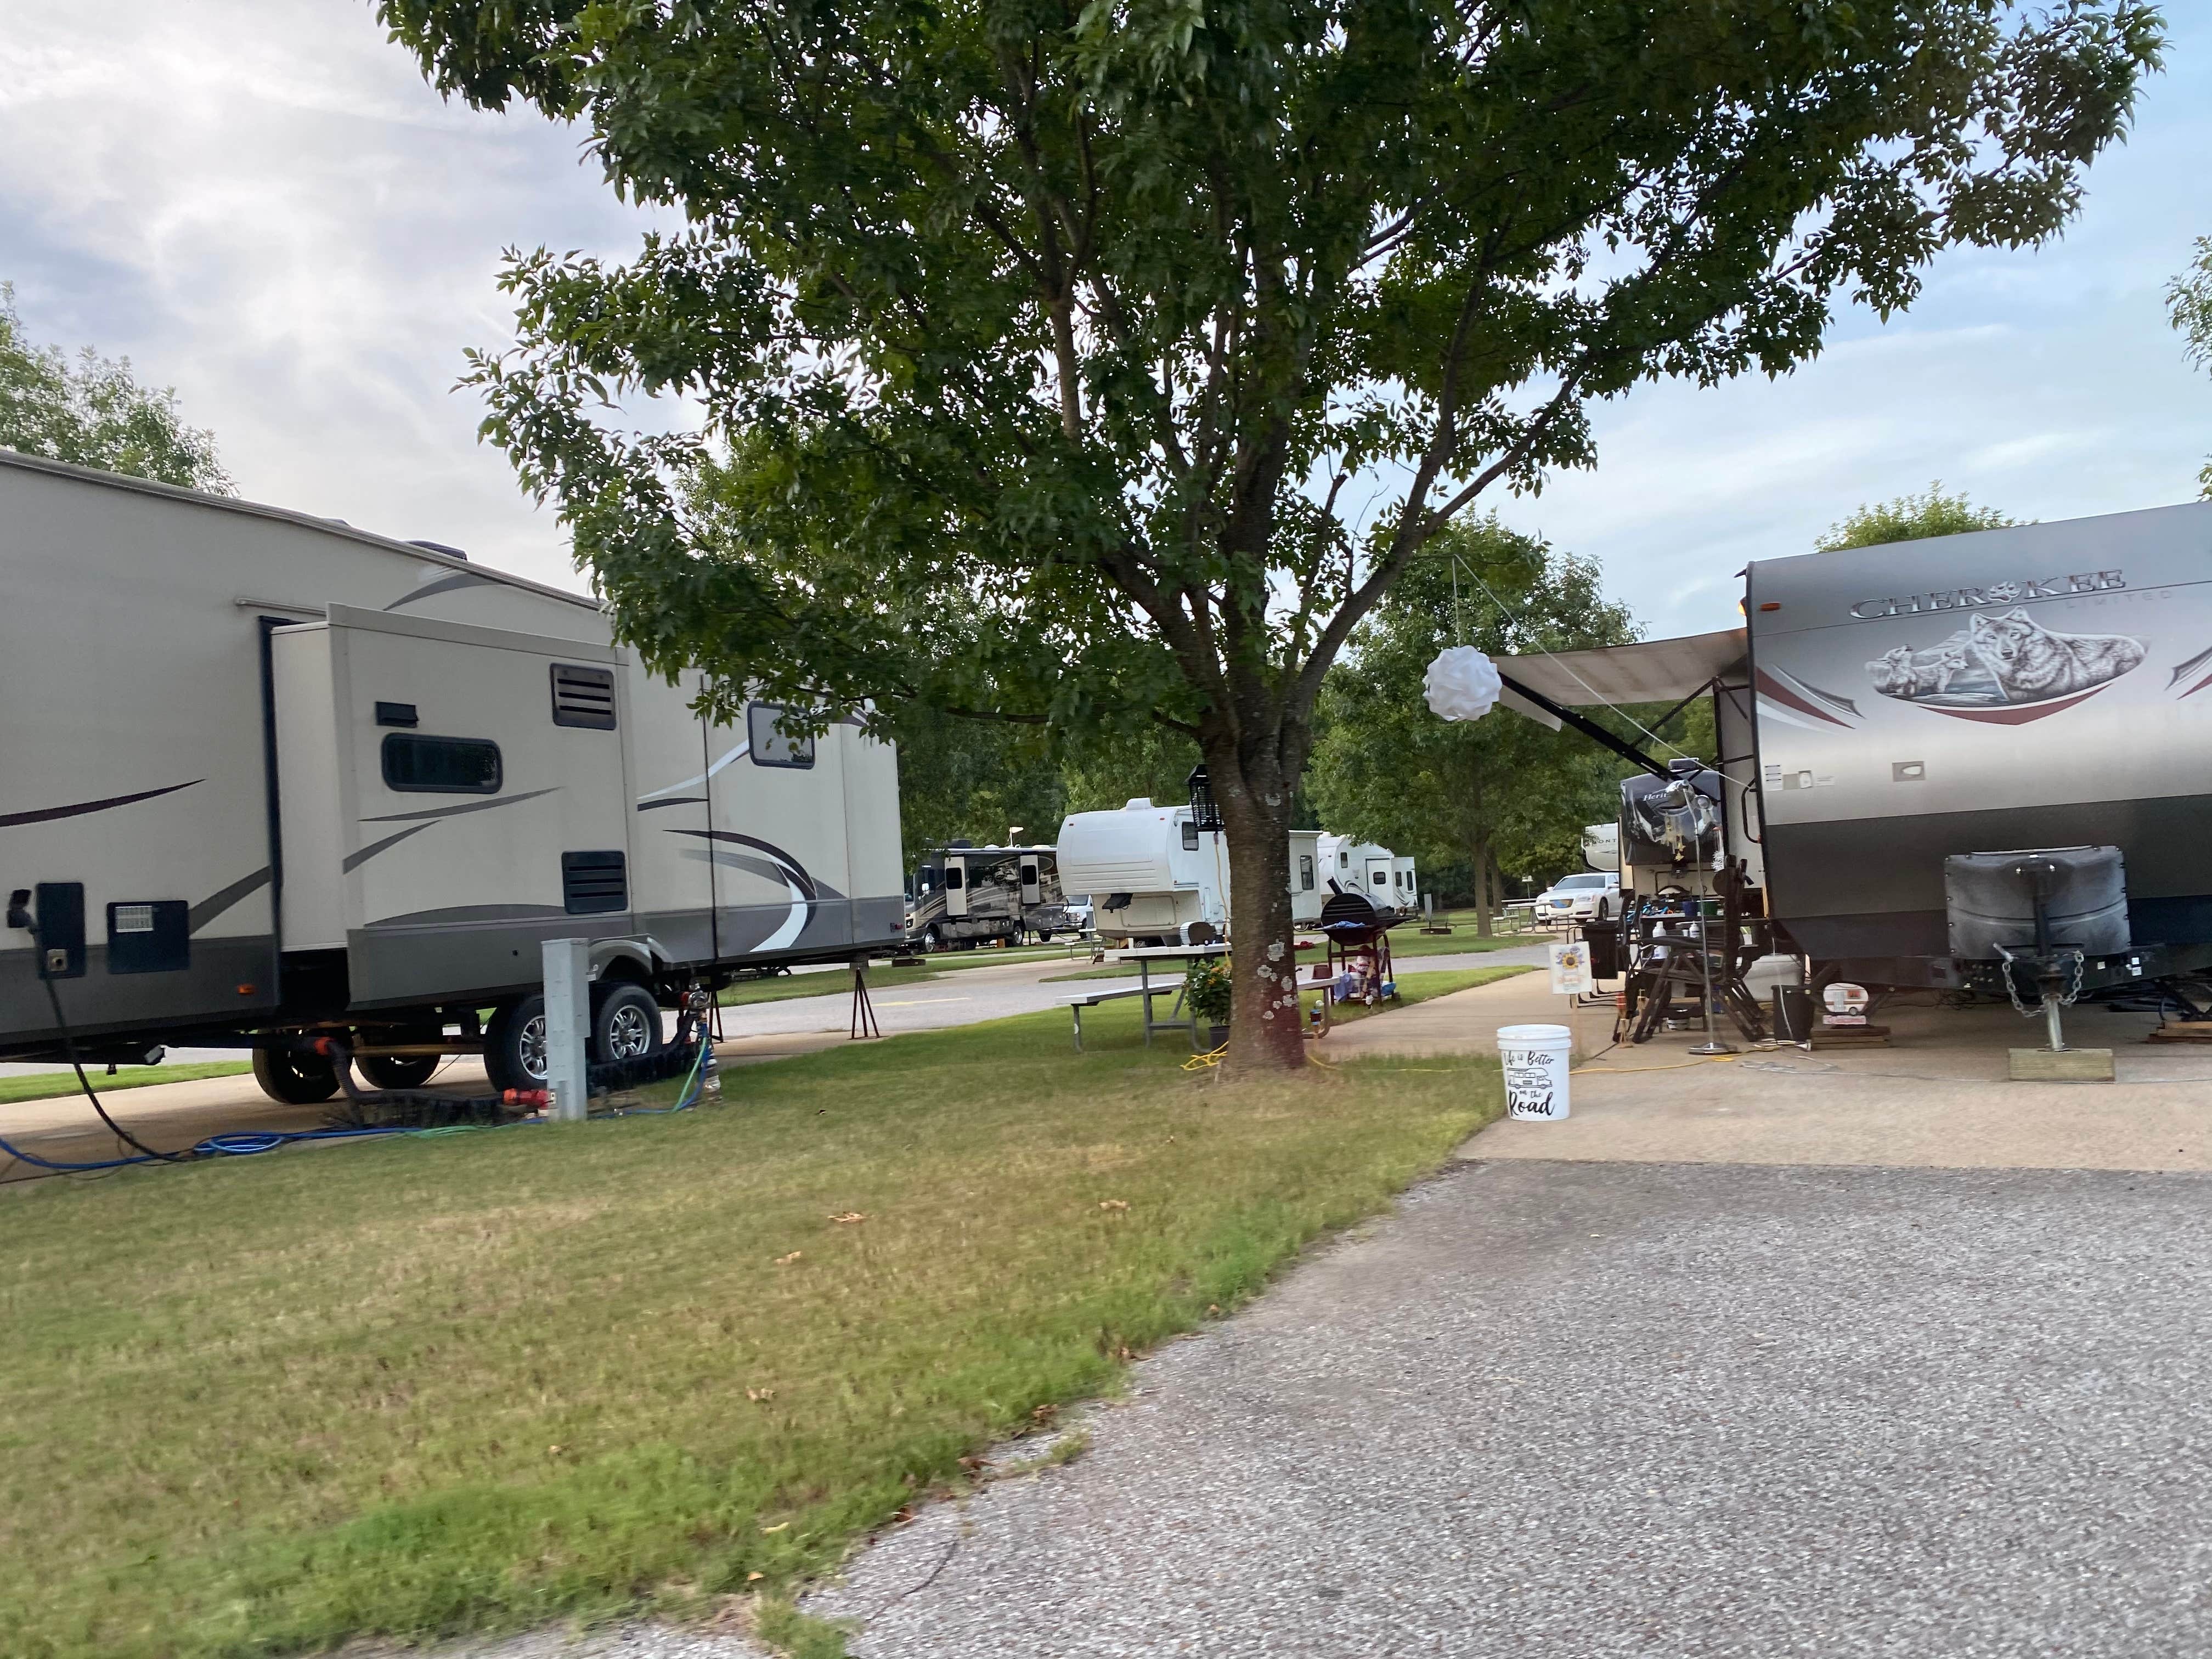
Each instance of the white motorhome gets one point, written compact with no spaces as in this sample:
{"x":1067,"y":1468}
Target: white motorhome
{"x":268,"y":777}
{"x":965,"y":895}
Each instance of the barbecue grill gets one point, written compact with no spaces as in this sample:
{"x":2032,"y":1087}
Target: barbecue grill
{"x":1358,"y":936}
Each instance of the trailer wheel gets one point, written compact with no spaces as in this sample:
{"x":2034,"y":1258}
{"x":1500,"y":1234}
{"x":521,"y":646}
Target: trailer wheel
{"x":404,"y":1071}
{"x":297,"y":1079}
{"x":514,"y":1044}
{"x":626,"y":1026}
{"x":934,"y":938}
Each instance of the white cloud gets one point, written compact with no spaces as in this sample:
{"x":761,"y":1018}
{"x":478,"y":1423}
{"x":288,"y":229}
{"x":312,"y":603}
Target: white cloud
{"x":263,"y":204}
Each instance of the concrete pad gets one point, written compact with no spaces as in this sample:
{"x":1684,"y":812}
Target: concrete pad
{"x":1466,"y":1022}
{"x":1940,"y":1096}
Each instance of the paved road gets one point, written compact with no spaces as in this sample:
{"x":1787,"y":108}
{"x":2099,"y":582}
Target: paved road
{"x":1596,"y":1409}
{"x":964,"y":995}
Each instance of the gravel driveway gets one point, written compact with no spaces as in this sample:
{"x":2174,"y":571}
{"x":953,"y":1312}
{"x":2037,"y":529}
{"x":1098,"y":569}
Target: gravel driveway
{"x":1597,"y":1409}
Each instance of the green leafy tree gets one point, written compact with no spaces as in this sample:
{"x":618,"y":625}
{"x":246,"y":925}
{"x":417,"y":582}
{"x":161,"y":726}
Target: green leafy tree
{"x":1909,"y":519}
{"x":1113,"y":768}
{"x":2189,"y":303}
{"x":92,"y":413}
{"x":1104,"y":366}
{"x":1501,"y":792}
{"x":964,"y":780}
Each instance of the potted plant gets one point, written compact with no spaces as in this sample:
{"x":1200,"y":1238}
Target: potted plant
{"x":1205,"y":993}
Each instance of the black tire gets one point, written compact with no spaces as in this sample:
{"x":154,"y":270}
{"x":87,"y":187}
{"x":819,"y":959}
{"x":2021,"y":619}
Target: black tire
{"x":1603,"y":913}
{"x":403,"y":1071}
{"x":514,"y":1044}
{"x":625,"y":1025}
{"x":296,"y":1078}
{"x":398,"y":1071}
{"x":932,"y":938}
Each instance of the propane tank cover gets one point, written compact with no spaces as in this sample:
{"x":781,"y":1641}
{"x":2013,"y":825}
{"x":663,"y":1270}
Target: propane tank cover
{"x":1462,"y":684}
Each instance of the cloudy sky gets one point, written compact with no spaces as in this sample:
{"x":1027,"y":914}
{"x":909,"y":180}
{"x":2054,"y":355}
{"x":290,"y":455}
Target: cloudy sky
{"x":261,"y":203}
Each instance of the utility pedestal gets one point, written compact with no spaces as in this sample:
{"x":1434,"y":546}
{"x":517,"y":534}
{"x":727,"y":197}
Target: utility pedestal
{"x":567,"y":1023}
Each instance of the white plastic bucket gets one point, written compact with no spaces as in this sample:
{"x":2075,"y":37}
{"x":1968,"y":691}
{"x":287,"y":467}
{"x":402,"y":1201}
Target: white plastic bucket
{"x":1536,"y":1060}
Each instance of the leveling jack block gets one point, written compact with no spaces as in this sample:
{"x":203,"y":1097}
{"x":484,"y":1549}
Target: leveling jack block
{"x":2061,"y":1064}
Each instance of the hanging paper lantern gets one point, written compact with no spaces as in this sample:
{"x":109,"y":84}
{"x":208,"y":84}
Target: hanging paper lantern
{"x":1462,"y":684}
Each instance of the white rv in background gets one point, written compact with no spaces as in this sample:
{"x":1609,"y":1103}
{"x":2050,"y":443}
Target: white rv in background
{"x":1404,"y":891}
{"x":1308,"y":894}
{"x":1377,"y":874}
{"x":1153,"y":874}
{"x":268,"y":778}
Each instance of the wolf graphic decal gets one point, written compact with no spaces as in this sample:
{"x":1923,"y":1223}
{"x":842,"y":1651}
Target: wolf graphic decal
{"x":2030,"y":662}
{"x":2007,"y":669}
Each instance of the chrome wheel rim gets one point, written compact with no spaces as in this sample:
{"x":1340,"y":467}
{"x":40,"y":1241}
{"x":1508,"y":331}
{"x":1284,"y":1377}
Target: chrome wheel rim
{"x":628,"y":1036}
{"x":532,"y":1044}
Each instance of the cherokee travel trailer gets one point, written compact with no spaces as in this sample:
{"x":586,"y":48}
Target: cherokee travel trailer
{"x":1890,"y":710}
{"x":267,"y":776}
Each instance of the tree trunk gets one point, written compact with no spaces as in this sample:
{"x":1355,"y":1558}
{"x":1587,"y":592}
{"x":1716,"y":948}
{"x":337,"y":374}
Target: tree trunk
{"x":1485,"y":895}
{"x":1264,"y":1025}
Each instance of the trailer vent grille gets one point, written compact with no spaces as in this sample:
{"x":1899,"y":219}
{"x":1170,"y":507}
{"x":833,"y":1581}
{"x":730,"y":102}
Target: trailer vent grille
{"x":583,"y":697}
{"x":593,"y":883}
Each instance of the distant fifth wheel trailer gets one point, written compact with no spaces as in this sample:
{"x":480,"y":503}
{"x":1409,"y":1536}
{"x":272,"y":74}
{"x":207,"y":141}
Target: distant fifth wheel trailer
{"x":268,"y":777}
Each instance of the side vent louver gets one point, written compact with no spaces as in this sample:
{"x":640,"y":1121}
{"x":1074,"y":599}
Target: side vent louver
{"x":583,"y":697}
{"x":593,"y":884}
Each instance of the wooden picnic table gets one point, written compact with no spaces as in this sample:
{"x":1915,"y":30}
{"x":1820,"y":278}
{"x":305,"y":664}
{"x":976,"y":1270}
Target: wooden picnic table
{"x":1145,"y":956}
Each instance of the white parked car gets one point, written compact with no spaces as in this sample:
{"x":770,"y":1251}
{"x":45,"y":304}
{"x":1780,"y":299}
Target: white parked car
{"x":1593,"y":895}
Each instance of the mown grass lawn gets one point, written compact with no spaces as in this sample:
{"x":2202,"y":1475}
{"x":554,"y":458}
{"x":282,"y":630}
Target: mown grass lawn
{"x":46,"y":1085}
{"x":483,"y":1380}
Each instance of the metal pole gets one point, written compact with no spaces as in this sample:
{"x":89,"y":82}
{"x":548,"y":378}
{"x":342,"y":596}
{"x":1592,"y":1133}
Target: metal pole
{"x":568,"y":968}
{"x":1712,"y":1044}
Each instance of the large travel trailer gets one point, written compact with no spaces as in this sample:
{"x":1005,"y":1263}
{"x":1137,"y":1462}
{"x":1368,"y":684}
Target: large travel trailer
{"x":965,"y":896}
{"x":1891,"y":710}
{"x":268,"y":776}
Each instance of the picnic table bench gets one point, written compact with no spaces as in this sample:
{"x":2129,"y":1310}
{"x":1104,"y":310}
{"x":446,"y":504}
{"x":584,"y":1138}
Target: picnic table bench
{"x":1145,"y":988}
{"x":1077,"y":1005}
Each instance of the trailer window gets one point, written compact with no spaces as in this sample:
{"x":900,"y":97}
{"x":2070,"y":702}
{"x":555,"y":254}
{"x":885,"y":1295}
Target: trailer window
{"x":1305,"y":873}
{"x":954,"y":878}
{"x":1191,"y":836}
{"x":417,"y":765}
{"x":771,"y":747}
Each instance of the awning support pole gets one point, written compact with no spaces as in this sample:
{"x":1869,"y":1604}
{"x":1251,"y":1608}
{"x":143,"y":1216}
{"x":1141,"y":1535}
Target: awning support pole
{"x":1589,"y":728}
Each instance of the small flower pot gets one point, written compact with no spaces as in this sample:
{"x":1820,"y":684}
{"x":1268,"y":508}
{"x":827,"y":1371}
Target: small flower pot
{"x":1216,"y":1036}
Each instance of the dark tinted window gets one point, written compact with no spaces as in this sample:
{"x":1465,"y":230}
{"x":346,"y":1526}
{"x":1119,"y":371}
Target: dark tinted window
{"x":1189,"y":835}
{"x":417,"y":765}
{"x":1305,"y":874}
{"x":769,"y":746}
{"x":954,"y":878}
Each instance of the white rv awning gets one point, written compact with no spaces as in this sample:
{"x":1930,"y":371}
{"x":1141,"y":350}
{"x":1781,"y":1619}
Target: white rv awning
{"x":1650,"y":671}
